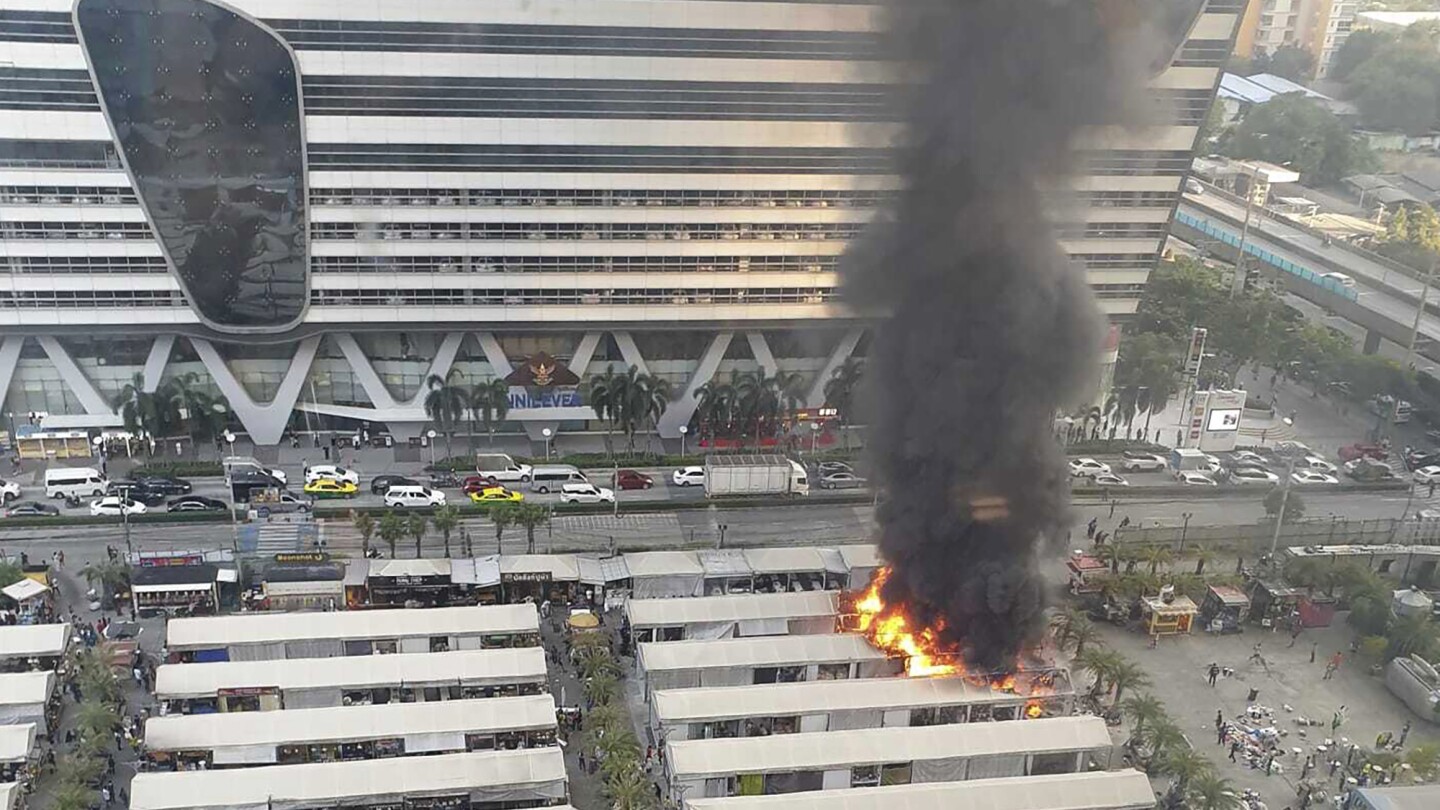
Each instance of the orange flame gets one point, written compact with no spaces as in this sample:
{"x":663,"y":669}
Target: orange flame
{"x":889,"y":629}
{"x":1034,"y":709}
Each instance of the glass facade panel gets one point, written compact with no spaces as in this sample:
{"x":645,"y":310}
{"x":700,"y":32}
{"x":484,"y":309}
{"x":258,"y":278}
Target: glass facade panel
{"x":205,"y":106}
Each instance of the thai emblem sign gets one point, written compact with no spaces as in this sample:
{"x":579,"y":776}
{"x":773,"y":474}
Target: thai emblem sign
{"x":543,"y":382}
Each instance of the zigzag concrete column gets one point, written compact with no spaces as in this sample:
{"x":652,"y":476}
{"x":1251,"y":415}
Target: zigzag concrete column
{"x":494,"y":355}
{"x":264,"y":422}
{"x":760,"y":347}
{"x":682,"y":409}
{"x":156,"y":361}
{"x":584,"y":351}
{"x":75,"y":379}
{"x":630,"y":352}
{"x":843,"y":350}
{"x":10,"y":347}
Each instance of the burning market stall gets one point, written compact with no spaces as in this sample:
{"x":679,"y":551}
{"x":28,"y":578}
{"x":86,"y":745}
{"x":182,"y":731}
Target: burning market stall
{"x":474,"y":781}
{"x":1167,"y":614}
{"x":790,"y":763}
{"x":17,"y":743}
{"x":785,"y":659}
{"x":350,"y":732}
{"x":714,"y":617}
{"x":726,"y":571}
{"x":29,"y":697}
{"x":312,"y":683}
{"x":31,"y":647}
{"x":861,"y":561}
{"x":747,"y":711}
{"x":790,"y":570}
{"x":273,"y":636}
{"x":1224,"y":609}
{"x":664,"y":574}
{"x":411,"y":583}
{"x":1103,"y":790}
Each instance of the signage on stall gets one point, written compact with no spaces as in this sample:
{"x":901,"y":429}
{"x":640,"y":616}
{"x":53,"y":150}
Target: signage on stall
{"x":303,"y":557}
{"x":526,"y":576}
{"x":172,"y":562}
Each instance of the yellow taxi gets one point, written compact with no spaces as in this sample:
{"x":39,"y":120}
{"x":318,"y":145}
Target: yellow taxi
{"x":330,"y":488}
{"x":494,"y":494}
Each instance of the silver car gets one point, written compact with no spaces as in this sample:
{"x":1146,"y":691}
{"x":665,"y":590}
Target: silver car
{"x":842,"y":480}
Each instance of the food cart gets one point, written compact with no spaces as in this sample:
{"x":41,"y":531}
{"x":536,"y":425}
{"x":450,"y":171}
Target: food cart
{"x":1167,"y":614}
{"x":1224,"y":609}
{"x":1087,"y":574}
{"x":1272,"y":601}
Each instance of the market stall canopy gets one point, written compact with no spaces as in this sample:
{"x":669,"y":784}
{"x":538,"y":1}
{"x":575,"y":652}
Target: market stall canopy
{"x":740,"y":607}
{"x":422,"y":567}
{"x":725,"y":563}
{"x":26,"y":688}
{"x":699,"y":705}
{"x":25,"y":590}
{"x":10,"y":793}
{"x":784,"y":753}
{"x":800,"y":560}
{"x":1104,"y":790}
{"x":756,"y":652}
{"x":16,"y":742}
{"x":481,"y":572}
{"x":31,"y":640}
{"x":173,"y":578}
{"x":663,"y":564}
{"x":524,"y":775}
{"x":213,"y":632}
{"x":559,"y":567}
{"x":602,"y":570}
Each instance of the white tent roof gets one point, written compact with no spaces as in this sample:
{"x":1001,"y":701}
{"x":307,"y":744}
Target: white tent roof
{"x":24,"y":589}
{"x":741,"y":607}
{"x":10,"y":794}
{"x":192,"y":732}
{"x":1104,"y":790}
{"x":330,"y":783}
{"x":814,"y":697}
{"x":785,"y":560}
{"x":468,"y":667}
{"x":481,"y":571}
{"x":26,"y":688}
{"x":691,"y":759}
{"x":422,"y":567}
{"x":560,"y":567}
{"x":724,"y":563}
{"x":16,"y":742}
{"x":755,"y":652}
{"x":862,"y":555}
{"x":29,"y":640}
{"x":222,"y":631}
{"x":663,"y":564}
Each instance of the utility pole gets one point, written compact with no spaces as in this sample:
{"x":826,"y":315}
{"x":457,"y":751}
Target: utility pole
{"x":1237,"y":285}
{"x":1415,"y":325}
{"x":1284,"y":501}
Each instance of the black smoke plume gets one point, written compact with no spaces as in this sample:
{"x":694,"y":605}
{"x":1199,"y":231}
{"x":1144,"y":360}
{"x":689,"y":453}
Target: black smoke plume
{"x":988,"y":330}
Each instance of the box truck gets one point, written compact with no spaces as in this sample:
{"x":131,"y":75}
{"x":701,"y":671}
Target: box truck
{"x":754,"y":475}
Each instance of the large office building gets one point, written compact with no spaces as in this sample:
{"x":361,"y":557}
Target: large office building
{"x":314,"y":205}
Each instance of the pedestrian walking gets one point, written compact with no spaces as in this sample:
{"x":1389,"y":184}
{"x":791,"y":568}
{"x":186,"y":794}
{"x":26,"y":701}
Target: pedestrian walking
{"x":1234,"y":749}
{"x":1295,"y":634}
{"x":1404,"y":732}
{"x":1432,"y":490}
{"x":1090,"y":528}
{"x":1337,"y":719}
{"x":1112,"y":504}
{"x":1333,"y":664}
{"x":1313,"y":646}
{"x":1214,"y":672}
{"x":1220,"y":733}
{"x":1219,"y":719}
{"x":1255,"y":653}
{"x":1125,"y":521}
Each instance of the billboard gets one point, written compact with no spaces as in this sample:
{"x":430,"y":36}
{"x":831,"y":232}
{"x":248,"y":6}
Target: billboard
{"x":1223,"y":419}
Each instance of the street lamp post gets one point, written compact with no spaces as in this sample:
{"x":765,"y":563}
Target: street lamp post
{"x":1284,"y":500}
{"x":547,"y":433}
{"x":723,"y":527}
{"x":1238,"y":283}
{"x":430,"y":435}
{"x":684,"y":429}
{"x":229,"y":438}
{"x":814,"y":436}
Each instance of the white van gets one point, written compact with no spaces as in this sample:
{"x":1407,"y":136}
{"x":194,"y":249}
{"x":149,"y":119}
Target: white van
{"x":554,"y":477}
{"x":501,"y":467}
{"x":413,"y":497}
{"x":78,"y":481}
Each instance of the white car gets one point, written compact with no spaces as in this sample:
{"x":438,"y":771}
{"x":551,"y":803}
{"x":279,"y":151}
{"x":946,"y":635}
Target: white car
{"x":9,"y":491}
{"x":1248,"y":457}
{"x":689,"y":477}
{"x":1110,"y":480}
{"x":586,"y":493}
{"x":1317,"y":464}
{"x":1293,"y":448}
{"x":1429,"y":514}
{"x":1339,"y":278}
{"x":1312,"y":477}
{"x":1250,"y":476}
{"x":114,"y":505}
{"x":1086,"y":467}
{"x":1142,"y":462}
{"x":1212,"y":464}
{"x":1428,"y":475}
{"x":331,"y":472}
{"x":413,"y":496}
{"x":1195,"y":478}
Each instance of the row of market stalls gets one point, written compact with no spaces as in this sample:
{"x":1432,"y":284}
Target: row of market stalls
{"x":313,"y":581}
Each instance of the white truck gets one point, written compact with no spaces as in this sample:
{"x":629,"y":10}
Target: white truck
{"x":754,"y":475}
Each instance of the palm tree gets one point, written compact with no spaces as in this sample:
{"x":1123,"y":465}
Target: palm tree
{"x":630,"y":790}
{"x":416,"y":527}
{"x":1423,"y":759}
{"x":531,"y":516}
{"x":103,"y":575}
{"x":602,"y":688}
{"x":96,"y":719}
{"x":1162,"y":737}
{"x":602,"y":392}
{"x":445,"y":519}
{"x":1203,"y":556}
{"x":488,"y":404}
{"x":503,"y":516}
{"x":1210,"y":792}
{"x":636,"y":399}
{"x":1063,"y":624}
{"x":650,"y":399}
{"x":142,"y":412}
{"x":1411,"y":634}
{"x":1183,"y":765}
{"x":73,"y":794}
{"x":1127,"y":675}
{"x":391,"y":529}
{"x":444,"y":405}
{"x":1084,"y":633}
{"x":1100,"y":663}
{"x":1156,"y":556}
{"x":365,"y":525}
{"x":1143,"y":710}
{"x":840,"y":392}
{"x":201,"y":414}
{"x":716,"y":407}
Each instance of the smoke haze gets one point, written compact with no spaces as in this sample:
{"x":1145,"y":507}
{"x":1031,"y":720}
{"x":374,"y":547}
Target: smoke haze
{"x":990,"y":329}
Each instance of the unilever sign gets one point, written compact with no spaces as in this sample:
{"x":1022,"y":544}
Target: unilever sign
{"x":544,"y":398}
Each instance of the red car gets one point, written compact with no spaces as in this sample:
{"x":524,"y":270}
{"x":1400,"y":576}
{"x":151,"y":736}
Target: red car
{"x":475,"y":483}
{"x":1353,"y":451}
{"x":630,"y":479}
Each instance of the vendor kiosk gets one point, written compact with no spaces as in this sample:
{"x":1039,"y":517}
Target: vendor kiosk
{"x":1224,"y":610}
{"x":1272,"y":601}
{"x":1167,"y":614}
{"x":1087,"y":574}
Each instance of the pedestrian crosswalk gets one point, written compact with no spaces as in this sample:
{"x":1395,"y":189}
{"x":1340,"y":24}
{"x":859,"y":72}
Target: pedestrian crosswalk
{"x":269,"y":539}
{"x":618,"y":523}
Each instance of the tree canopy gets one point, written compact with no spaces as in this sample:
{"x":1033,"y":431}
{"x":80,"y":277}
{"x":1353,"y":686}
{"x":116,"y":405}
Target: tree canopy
{"x":1298,"y":131}
{"x":1394,"y":81}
